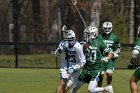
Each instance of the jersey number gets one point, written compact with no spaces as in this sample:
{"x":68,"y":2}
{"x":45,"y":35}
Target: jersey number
{"x":70,"y":58}
{"x":93,"y":56}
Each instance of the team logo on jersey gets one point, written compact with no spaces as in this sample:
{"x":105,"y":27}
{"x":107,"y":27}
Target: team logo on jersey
{"x":108,"y":43}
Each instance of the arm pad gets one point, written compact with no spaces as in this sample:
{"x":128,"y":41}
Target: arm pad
{"x":135,"y":53}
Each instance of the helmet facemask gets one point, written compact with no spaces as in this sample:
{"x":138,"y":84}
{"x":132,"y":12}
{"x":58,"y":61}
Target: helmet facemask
{"x":107,"y":27}
{"x":87,"y":35}
{"x":91,"y":33}
{"x":65,"y":34}
{"x":71,"y":38}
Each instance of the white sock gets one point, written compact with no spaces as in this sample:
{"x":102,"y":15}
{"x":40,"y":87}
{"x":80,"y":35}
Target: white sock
{"x":92,"y":88}
{"x":98,"y":89}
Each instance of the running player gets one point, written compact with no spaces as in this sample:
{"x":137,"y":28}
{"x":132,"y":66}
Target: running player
{"x":112,"y":42}
{"x":74,"y":60}
{"x":63,"y":73}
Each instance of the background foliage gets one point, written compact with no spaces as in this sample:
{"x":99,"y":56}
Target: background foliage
{"x":40,"y":23}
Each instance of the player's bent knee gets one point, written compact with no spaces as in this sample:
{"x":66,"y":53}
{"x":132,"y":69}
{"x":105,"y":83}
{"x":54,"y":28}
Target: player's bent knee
{"x":110,"y":71}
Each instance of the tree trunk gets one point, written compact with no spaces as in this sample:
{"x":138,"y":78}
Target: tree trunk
{"x":95,"y":13}
{"x":131,"y":22}
{"x":36,"y":20}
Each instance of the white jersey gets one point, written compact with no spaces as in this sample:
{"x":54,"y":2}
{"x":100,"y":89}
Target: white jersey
{"x":73,"y":56}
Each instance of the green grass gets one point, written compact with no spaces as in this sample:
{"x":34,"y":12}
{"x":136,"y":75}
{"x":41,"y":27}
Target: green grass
{"x":46,"y":80}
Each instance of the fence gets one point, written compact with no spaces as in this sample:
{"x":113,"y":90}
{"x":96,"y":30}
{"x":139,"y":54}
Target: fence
{"x":18,"y":58}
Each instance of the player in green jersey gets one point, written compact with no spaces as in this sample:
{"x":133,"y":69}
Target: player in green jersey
{"x":136,"y":75}
{"x":94,"y":49}
{"x":112,"y":42}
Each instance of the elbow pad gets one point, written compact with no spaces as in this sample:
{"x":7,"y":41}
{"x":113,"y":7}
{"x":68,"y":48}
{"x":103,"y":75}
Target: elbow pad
{"x":135,"y":53}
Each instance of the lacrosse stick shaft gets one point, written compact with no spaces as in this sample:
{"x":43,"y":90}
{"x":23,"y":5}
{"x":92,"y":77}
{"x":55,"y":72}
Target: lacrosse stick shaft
{"x":74,"y":3}
{"x":99,"y":50}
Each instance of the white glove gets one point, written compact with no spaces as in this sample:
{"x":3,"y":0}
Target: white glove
{"x":64,"y":73}
{"x":73,"y":68}
{"x":105,"y":59}
{"x":62,"y":46}
{"x":57,"y":51}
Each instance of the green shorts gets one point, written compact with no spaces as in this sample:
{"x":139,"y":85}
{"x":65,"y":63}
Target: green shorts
{"x":137,"y":73}
{"x":110,"y":65}
{"x":88,"y":75}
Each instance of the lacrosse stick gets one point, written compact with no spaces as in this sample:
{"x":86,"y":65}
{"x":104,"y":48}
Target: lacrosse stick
{"x":74,"y":2}
{"x":99,"y":51}
{"x":64,"y":28}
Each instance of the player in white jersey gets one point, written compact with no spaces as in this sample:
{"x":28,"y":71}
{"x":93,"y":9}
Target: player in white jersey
{"x":76,"y":58}
{"x":73,"y":60}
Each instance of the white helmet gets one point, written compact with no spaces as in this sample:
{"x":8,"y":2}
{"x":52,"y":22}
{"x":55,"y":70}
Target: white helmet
{"x":107,"y":27}
{"x":70,"y":36}
{"x":90,"y":32}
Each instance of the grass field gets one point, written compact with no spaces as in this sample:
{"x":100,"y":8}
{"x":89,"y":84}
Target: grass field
{"x":13,"y":80}
{"x":49,"y":60}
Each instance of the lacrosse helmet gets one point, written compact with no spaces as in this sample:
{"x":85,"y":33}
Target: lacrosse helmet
{"x":139,"y":31}
{"x":90,"y":32}
{"x":70,"y":37}
{"x":107,"y":27}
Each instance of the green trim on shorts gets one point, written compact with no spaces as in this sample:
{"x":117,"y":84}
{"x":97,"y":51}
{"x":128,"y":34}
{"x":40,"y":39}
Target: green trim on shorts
{"x":137,"y":73}
{"x":88,"y":75}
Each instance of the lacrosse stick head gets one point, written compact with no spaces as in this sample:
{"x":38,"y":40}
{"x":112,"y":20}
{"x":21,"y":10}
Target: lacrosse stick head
{"x":74,"y":2}
{"x":65,"y":31}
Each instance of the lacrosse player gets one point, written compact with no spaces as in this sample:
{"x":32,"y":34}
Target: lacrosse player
{"x":136,"y":75}
{"x":74,"y":59}
{"x":94,"y":49}
{"x":63,"y":73}
{"x":112,"y":42}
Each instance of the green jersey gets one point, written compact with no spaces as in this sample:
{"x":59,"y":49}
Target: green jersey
{"x":111,"y":41}
{"x":94,"y":54}
{"x":137,"y":44}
